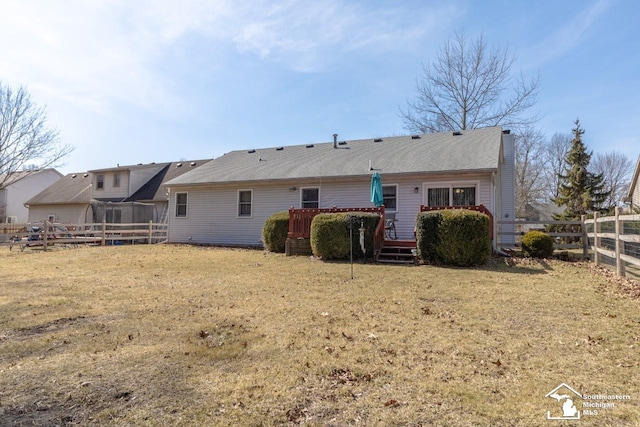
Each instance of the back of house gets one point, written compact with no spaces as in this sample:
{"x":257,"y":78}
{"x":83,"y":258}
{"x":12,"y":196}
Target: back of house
{"x":227,"y":200}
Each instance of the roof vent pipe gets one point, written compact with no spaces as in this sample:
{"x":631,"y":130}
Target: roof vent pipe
{"x":335,"y":140}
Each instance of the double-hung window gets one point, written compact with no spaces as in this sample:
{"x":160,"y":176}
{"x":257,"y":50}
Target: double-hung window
{"x":245,"y":199}
{"x":116,"y":179}
{"x":100,"y":182}
{"x":310,"y":198}
{"x":181,"y":205}
{"x":390,"y":197}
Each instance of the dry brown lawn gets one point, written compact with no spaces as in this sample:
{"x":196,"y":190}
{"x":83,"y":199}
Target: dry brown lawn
{"x":183,"y":335}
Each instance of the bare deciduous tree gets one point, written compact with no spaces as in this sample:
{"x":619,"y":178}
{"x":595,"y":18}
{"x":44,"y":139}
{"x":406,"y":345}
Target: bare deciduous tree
{"x":530,"y":169}
{"x":616,"y":168}
{"x":468,"y":86}
{"x":25,"y":137}
{"x":555,"y":163}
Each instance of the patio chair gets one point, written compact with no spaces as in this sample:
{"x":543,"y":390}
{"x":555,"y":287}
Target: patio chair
{"x":390,"y":226}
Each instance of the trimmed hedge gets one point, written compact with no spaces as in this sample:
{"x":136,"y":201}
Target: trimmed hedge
{"x":537,"y":244}
{"x":275,"y":230}
{"x":330,"y":234}
{"x":457,"y":237}
{"x":427,"y":236}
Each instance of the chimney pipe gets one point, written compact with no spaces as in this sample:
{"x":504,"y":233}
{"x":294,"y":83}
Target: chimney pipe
{"x":335,"y":140}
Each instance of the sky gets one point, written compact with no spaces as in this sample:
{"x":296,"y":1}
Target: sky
{"x":128,"y":82}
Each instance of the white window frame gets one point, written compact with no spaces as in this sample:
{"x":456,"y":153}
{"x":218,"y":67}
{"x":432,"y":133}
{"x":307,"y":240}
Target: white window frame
{"x":449,"y":184}
{"x":51,"y":218}
{"x":250,"y":190}
{"x":98,"y":181}
{"x":12,"y":219}
{"x":386,"y":209}
{"x":302,"y":201}
{"x":116,"y":179}
{"x":186,"y":205}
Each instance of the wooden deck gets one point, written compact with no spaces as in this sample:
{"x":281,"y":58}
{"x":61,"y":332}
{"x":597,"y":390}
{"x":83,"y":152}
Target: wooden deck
{"x":386,"y":250}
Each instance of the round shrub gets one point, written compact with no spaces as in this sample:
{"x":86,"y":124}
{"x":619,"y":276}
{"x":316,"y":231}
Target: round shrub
{"x":330,"y":236}
{"x":275,"y":230}
{"x":427,"y":224}
{"x":464,"y":238}
{"x":537,"y":244}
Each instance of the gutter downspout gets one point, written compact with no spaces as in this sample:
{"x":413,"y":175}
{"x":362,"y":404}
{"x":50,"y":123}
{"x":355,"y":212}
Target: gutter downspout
{"x":495,"y":217}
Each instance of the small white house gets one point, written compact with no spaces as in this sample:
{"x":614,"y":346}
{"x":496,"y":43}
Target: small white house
{"x":633,"y":195}
{"x":20,"y":187}
{"x":227,"y":201}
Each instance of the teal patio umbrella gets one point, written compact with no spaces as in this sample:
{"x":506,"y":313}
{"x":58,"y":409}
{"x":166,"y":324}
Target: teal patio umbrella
{"x":376,"y":190}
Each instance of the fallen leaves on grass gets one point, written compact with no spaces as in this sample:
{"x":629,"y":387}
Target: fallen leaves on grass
{"x":624,"y":285}
{"x":391,"y":403}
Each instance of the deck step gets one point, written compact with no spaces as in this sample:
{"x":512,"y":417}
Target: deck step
{"x":397,"y":248}
{"x":395,"y":261}
{"x":398,"y":252}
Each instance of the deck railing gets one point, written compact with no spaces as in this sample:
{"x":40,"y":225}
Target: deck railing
{"x":477,"y":208}
{"x":300,"y":219}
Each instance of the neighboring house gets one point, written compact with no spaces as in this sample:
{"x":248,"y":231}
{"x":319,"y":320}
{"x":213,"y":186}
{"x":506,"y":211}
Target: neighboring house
{"x":227,"y":201}
{"x":20,"y":187}
{"x":116,"y":195}
{"x":633,"y":196}
{"x":536,"y":211}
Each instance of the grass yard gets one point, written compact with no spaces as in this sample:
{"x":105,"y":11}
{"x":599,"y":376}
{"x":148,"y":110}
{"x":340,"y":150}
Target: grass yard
{"x":180,"y":335}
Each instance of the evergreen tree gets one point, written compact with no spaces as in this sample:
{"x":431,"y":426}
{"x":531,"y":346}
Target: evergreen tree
{"x":580,"y":190}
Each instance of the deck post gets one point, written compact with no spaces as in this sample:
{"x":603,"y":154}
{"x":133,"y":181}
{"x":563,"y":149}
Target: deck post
{"x":104,"y":232}
{"x":44,"y":235}
{"x":150,"y":231}
{"x":620,"y":270}
{"x":596,"y":255}
{"x":585,"y":237}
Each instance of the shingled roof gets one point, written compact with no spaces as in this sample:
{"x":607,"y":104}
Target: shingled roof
{"x":471,"y":150}
{"x":71,"y":188}
{"x":153,"y":191}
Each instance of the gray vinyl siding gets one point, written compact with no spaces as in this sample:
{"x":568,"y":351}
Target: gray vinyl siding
{"x":212,"y":212}
{"x":18,"y":193}
{"x":507,"y":186}
{"x":108,"y":190}
{"x":65,"y":214}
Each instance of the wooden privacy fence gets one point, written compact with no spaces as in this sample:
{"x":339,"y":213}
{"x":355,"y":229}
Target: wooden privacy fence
{"x":616,"y":237}
{"x":45,"y":234}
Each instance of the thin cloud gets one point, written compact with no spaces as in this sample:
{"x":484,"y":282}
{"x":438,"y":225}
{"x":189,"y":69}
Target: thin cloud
{"x":571,"y":35}
{"x":94,"y":53}
{"x":98,"y":54}
{"x":313,"y":36}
